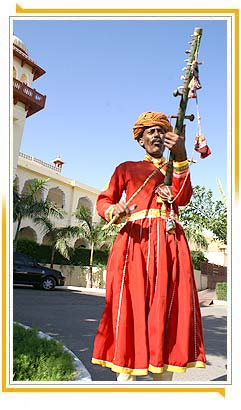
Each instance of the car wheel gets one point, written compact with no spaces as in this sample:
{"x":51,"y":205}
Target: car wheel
{"x":48,"y":283}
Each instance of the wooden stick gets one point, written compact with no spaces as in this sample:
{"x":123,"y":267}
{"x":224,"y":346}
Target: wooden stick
{"x":184,"y":99}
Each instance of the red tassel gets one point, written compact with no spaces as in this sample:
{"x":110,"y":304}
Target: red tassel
{"x":201,"y":146}
{"x":207,"y":153}
{"x":192,"y":93}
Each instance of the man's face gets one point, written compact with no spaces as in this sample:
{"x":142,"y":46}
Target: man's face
{"x":152,"y":141}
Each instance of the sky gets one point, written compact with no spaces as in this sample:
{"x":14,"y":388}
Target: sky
{"x":102,"y":74}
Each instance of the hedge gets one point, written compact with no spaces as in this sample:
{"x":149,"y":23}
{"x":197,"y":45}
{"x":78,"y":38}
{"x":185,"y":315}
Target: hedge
{"x":221,"y":290}
{"x":81,"y":256}
{"x":42,"y":254}
{"x":197,"y":258}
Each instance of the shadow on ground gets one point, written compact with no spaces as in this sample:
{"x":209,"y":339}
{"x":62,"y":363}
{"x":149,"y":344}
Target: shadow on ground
{"x":73,"y":318}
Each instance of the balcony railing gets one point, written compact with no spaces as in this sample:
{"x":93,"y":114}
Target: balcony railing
{"x":39,"y":161}
{"x":33,"y":100}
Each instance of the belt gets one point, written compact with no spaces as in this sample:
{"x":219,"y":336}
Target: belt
{"x":149,"y":213}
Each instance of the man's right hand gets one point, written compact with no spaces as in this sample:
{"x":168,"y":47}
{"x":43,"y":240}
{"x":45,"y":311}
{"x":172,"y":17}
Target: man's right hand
{"x":120,"y":209}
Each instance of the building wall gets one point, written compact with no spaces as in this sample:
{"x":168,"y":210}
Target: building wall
{"x":19,"y":117}
{"x":215,"y":253}
{"x":24,"y":74}
{"x":68,"y":193}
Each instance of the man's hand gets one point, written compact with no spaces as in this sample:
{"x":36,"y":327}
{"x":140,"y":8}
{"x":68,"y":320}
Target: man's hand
{"x":176,"y":144}
{"x":164,"y":192}
{"x":120,"y":209}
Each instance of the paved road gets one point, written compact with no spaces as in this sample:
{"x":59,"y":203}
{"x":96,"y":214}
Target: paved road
{"x":73,"y":317}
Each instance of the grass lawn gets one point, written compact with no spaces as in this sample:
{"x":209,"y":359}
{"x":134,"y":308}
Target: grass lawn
{"x":39,"y":359}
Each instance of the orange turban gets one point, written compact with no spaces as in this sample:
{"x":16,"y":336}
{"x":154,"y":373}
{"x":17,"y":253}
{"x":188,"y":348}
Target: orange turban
{"x":148,"y":119}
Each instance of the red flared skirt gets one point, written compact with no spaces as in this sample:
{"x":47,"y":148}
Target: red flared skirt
{"x":151,"y":321}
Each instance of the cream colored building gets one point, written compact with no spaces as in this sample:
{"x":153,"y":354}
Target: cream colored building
{"x":65,"y":193}
{"x":215,"y":253}
{"x":26,"y":100}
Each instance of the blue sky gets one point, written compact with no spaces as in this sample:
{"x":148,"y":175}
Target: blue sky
{"x":101,"y":74}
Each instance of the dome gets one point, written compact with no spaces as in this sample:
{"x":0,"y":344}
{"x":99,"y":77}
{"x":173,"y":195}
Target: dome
{"x":20,"y":44}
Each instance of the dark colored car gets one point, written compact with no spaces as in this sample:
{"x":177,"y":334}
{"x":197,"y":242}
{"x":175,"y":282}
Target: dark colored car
{"x":27,"y":271}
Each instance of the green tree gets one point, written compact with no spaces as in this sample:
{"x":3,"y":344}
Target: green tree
{"x":203,"y":212}
{"x":58,"y":237}
{"x":28,"y":204}
{"x":94,"y":234}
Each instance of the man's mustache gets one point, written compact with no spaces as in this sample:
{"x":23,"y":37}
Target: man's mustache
{"x":156,"y":139}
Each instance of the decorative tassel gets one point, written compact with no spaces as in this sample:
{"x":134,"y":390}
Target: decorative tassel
{"x":194,"y":84}
{"x":201,"y":146}
{"x":170,"y":222}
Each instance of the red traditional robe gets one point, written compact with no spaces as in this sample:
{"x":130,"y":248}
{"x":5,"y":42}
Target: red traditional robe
{"x":151,"y":321}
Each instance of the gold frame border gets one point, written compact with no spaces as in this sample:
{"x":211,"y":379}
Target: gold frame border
{"x":21,"y":10}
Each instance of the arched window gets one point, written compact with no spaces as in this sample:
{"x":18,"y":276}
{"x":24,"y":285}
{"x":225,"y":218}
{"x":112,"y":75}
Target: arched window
{"x":24,"y":79}
{"x":81,"y":243}
{"x":56,"y":196}
{"x":39,"y":195}
{"x":27,"y":233}
{"x":86,"y":202}
{"x":46,"y":239}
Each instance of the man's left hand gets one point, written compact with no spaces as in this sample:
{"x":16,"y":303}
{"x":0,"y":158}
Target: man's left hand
{"x":176,"y":144}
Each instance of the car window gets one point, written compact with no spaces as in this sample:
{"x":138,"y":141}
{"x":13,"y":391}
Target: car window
{"x":29,"y":261}
{"x":23,"y":260}
{"x":19,"y":259}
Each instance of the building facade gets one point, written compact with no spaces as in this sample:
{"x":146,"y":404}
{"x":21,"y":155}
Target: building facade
{"x":26,"y":100}
{"x":63,"y":192}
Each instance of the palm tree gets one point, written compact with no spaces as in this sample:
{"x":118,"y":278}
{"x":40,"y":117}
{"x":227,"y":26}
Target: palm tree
{"x":28,"y":204}
{"x":96,"y":237}
{"x":58,"y":237}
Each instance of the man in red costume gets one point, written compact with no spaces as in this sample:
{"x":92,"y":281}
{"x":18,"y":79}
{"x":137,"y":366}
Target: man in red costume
{"x":152,"y":319}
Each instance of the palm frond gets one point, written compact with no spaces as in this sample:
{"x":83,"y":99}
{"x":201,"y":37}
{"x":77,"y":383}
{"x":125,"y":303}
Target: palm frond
{"x":36,"y":185}
{"x":84,"y":232}
{"x":52,"y":210}
{"x":67,"y":232}
{"x":83,"y":215}
{"x":63,"y":248}
{"x":45,"y":223}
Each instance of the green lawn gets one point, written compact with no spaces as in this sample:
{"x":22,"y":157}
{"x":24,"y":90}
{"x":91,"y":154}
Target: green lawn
{"x":39,"y":359}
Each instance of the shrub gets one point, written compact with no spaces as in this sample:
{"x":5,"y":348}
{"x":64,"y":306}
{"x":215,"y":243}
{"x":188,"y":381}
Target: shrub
{"x":38,"y":359}
{"x":42,"y":254}
{"x":197,"y":258}
{"x":28,"y":247}
{"x":221,"y":290}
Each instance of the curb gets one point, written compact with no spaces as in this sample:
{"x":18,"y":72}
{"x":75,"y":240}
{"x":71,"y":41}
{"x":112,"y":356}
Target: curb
{"x":82,"y":373}
{"x":98,"y":291}
{"x":220,"y":302}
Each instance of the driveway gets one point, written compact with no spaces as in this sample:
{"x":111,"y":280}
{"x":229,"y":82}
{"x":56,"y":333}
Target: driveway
{"x":69,"y":316}
{"x":73,"y":318}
